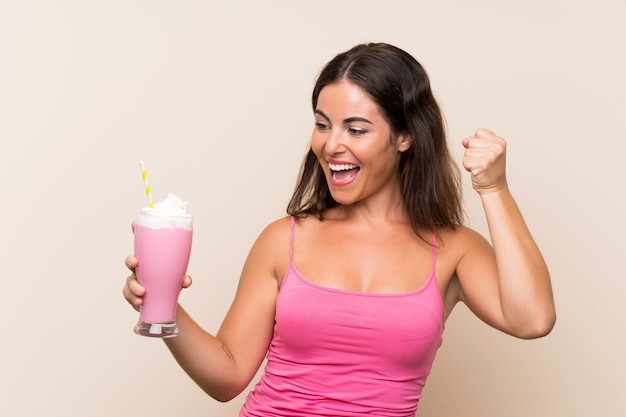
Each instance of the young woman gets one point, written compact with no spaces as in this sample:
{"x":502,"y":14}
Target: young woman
{"x":348,"y":295}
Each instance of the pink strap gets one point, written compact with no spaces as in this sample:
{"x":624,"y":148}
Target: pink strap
{"x":292,"y":238}
{"x":434,"y":248}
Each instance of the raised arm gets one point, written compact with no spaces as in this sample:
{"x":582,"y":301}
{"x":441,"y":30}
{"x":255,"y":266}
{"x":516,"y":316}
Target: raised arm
{"x":507,"y":286}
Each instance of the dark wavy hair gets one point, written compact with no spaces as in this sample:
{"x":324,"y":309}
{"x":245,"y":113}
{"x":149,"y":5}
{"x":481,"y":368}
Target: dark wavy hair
{"x":429,"y":179}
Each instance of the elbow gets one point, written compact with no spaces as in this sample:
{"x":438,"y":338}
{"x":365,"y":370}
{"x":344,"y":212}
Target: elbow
{"x":224,"y":395}
{"x":539,"y":327}
{"x":223,"y":398}
{"x":225,"y":392}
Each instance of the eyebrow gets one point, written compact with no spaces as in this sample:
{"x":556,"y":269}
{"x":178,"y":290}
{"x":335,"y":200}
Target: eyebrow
{"x":345,"y":121}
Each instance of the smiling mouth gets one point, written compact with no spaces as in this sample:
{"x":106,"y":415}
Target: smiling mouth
{"x":343,"y":172}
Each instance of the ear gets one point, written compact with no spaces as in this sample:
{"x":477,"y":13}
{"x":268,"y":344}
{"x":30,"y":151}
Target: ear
{"x":403,"y":142}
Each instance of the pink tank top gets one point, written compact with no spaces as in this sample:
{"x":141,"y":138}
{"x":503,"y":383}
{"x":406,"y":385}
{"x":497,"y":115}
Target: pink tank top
{"x":344,"y":353}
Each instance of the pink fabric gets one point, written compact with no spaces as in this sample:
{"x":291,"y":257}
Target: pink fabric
{"x":343,"y":353}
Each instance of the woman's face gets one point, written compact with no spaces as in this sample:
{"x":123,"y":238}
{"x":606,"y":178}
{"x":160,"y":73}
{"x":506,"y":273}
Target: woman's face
{"x":355,"y":146}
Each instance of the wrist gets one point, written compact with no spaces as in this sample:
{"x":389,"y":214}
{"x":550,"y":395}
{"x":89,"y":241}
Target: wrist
{"x":494,"y":192}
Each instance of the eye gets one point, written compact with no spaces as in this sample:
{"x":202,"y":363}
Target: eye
{"x":321,"y":126}
{"x":357,"y":131}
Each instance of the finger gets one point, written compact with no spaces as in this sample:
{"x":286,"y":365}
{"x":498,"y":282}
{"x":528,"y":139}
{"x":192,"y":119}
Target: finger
{"x":133,"y":293}
{"x":187,"y":281}
{"x":134,"y":286}
{"x":473,"y":165}
{"x":466,"y":141}
{"x":485,"y":133}
{"x":132,"y":299}
{"x":472,"y":142}
{"x":473,"y":154}
{"x":480,"y":143}
{"x":480,"y":133}
{"x":132,"y":226}
{"x":484,"y":155}
{"x":131,"y":262}
{"x":486,"y":138}
{"x":482,"y":137}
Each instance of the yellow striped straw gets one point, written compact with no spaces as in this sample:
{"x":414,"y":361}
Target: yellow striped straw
{"x":146,"y":184}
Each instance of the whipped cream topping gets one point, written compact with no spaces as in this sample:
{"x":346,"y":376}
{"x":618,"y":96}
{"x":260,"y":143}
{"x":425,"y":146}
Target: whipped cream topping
{"x":171,"y":212}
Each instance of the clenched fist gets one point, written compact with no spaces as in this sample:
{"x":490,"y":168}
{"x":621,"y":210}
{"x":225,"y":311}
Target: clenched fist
{"x":485,"y":159}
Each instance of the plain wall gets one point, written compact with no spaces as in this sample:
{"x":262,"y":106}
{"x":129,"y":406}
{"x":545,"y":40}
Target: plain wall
{"x":215,"y":98}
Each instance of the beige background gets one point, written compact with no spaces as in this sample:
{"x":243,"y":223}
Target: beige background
{"x":214,"y":97}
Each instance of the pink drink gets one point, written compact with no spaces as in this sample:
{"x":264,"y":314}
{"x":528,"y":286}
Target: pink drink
{"x":162,"y":248}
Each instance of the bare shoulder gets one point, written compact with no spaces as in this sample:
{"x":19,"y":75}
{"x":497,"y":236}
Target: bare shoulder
{"x":458,"y":247}
{"x":461,"y":240}
{"x":271,"y":248}
{"x":276,"y":229}
{"x":274,"y":237}
{"x":461,"y":247}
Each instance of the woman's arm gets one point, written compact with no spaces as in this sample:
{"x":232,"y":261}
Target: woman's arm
{"x":507,"y":286}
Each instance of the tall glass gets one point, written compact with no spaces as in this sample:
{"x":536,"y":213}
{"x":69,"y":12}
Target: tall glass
{"x":162,"y":248}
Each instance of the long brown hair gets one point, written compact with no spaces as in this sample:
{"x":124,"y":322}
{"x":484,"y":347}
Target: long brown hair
{"x":429,"y":178}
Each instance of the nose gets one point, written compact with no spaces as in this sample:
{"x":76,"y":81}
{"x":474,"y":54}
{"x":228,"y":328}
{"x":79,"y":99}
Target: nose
{"x":335,"y":143}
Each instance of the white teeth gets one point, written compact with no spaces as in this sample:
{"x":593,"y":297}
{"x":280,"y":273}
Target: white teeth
{"x":341,"y":167}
